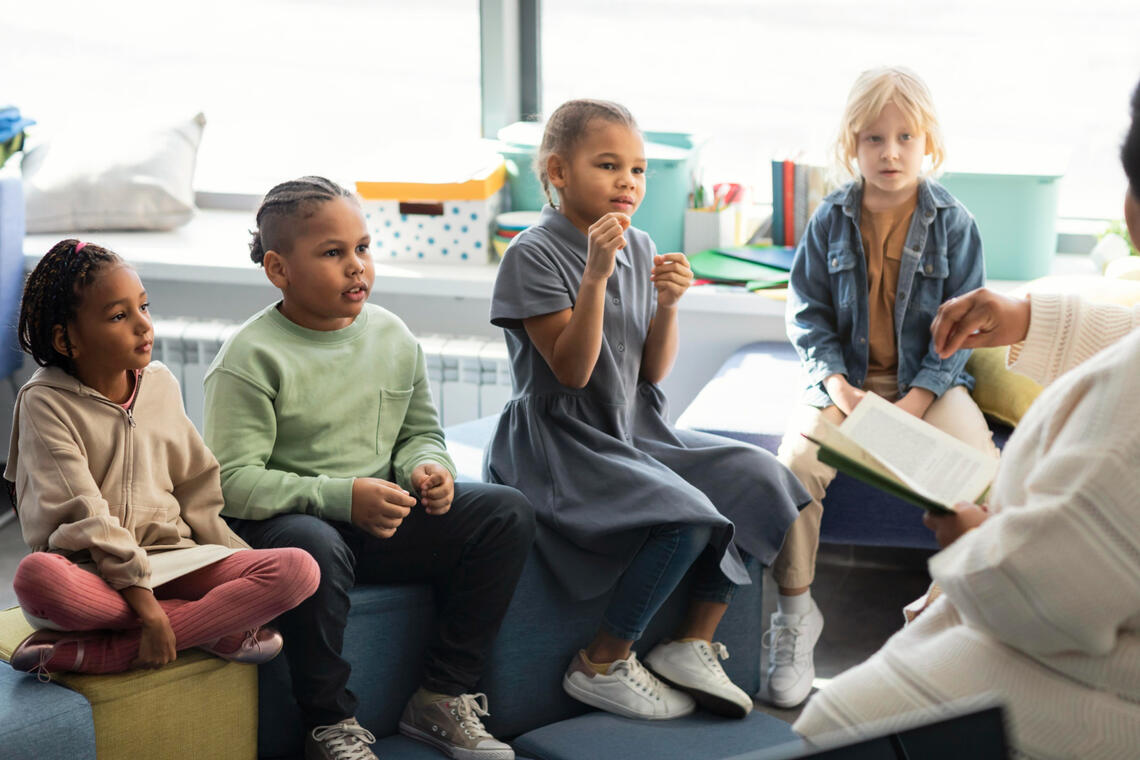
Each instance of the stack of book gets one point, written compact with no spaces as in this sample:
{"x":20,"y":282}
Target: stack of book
{"x":797,"y":189}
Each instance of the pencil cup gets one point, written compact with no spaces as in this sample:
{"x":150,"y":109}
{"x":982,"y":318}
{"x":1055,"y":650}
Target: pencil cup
{"x":706,"y":228}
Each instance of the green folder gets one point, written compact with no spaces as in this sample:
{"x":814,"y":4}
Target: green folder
{"x":710,"y":265}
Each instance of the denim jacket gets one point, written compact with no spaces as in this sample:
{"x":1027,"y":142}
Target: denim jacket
{"x":827,"y":313}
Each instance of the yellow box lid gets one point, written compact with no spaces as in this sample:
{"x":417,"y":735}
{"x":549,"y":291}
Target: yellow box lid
{"x":481,"y":184}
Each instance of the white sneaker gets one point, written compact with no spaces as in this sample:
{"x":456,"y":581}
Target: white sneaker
{"x":626,"y":689}
{"x":347,"y":740}
{"x":695,"y":667}
{"x":791,"y":668}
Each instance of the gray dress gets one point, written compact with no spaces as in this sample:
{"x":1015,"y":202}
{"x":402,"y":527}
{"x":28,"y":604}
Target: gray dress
{"x":602,"y":464}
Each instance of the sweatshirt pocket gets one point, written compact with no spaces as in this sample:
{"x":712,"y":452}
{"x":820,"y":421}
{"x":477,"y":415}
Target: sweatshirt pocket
{"x":393,"y":409}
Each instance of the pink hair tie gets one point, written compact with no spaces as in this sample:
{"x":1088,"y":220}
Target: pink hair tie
{"x":79,"y":247}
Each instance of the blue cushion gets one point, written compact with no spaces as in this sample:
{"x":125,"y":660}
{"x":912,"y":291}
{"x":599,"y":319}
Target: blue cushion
{"x":387,"y":635}
{"x":43,"y":720}
{"x":544,"y":628}
{"x":751,"y":398}
{"x":389,"y":627}
{"x":601,"y":735}
{"x":11,"y":271}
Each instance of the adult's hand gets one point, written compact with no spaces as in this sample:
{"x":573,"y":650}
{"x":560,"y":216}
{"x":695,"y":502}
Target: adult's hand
{"x":977,"y":319}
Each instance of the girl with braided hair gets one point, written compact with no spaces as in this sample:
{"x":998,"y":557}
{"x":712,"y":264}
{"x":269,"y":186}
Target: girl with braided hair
{"x":118,"y":496}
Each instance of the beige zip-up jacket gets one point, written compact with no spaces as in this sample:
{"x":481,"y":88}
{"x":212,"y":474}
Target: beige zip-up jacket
{"x":99,"y":484}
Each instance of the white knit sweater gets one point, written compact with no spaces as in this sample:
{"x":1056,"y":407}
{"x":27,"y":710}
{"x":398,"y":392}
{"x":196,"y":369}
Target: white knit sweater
{"x":1041,"y":604}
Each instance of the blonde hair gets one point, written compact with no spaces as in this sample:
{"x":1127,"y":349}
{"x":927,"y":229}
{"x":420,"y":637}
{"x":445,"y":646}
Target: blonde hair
{"x":566,"y":127}
{"x":870,"y":94}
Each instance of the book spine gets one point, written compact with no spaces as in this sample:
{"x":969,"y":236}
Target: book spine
{"x":777,"y":203}
{"x":815,"y":189}
{"x":789,"y":202}
{"x":800,"y":211}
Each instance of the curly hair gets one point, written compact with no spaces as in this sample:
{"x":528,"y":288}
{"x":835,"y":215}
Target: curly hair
{"x":297,"y":198}
{"x":1130,"y":150}
{"x":52,"y":294}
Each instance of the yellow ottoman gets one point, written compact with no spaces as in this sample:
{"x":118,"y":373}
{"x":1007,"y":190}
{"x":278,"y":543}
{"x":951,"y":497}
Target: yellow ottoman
{"x":199,"y":707}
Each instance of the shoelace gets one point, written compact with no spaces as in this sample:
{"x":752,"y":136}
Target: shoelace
{"x":782,"y":640}
{"x":43,"y":675}
{"x":713,"y":653}
{"x":469,"y":708}
{"x":632,"y":670}
{"x":251,"y":636}
{"x":346,"y":741}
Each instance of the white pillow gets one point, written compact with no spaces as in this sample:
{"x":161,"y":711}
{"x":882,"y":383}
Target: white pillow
{"x":126,"y":179}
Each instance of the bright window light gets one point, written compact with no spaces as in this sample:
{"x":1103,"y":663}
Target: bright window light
{"x":288,"y":87}
{"x":1044,"y":83}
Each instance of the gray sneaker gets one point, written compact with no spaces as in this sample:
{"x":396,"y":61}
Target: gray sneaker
{"x":347,"y":740}
{"x":453,"y":726}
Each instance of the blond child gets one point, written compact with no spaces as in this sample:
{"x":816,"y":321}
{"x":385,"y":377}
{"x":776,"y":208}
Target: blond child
{"x":876,"y":260}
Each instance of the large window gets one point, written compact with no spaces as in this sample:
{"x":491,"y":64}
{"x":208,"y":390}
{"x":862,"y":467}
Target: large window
{"x":288,"y":87}
{"x":1042,"y":84}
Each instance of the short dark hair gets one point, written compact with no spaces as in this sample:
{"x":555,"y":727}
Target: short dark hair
{"x":52,"y":294}
{"x":297,"y":198}
{"x":1130,"y":151}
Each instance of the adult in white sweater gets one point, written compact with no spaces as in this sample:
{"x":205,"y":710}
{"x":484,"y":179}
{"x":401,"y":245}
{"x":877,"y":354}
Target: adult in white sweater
{"x":1041,"y":602}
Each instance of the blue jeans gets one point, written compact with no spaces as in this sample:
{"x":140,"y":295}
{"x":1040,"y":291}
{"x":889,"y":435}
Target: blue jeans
{"x":660,"y":564}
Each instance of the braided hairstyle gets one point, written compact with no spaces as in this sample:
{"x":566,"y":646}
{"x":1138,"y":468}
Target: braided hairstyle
{"x":566,"y":127}
{"x":52,"y":294}
{"x":285,"y":203}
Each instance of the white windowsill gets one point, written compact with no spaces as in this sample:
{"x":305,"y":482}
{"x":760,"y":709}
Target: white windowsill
{"x":212,"y":250}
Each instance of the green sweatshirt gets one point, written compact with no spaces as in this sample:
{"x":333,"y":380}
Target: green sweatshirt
{"x":294,"y":415}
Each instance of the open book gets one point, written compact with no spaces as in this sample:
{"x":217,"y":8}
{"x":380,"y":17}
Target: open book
{"x":896,"y":452}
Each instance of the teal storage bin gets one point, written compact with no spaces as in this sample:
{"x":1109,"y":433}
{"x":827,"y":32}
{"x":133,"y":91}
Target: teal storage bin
{"x":671,"y":157}
{"x":1017,"y":218}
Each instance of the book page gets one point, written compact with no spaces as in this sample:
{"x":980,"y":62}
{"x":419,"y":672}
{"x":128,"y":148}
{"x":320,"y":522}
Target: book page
{"x":929,"y":461}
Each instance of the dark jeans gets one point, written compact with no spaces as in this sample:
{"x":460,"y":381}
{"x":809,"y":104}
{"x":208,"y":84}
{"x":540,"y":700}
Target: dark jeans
{"x":473,"y":555}
{"x":668,"y":553}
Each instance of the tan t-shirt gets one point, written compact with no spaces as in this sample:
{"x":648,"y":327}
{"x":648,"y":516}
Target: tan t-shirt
{"x":884,"y":234}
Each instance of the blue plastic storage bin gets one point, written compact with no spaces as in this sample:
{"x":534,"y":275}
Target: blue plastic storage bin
{"x":1017,"y":218}
{"x":672,"y":159}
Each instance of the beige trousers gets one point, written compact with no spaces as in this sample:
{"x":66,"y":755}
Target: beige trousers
{"x":954,"y":413}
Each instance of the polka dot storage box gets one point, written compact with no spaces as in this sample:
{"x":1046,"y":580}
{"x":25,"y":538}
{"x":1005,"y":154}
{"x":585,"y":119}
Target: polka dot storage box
{"x":435,"y":222}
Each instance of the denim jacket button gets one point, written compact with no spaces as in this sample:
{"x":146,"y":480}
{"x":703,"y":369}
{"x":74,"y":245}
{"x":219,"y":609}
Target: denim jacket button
{"x":902,"y":296}
{"x":929,"y":269}
{"x":834,"y":262}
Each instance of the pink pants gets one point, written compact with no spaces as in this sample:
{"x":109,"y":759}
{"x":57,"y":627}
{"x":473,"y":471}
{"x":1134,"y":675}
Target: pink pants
{"x":239,"y":593}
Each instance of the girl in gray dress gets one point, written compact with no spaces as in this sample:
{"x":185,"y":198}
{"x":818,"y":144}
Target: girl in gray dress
{"x":624,"y":501}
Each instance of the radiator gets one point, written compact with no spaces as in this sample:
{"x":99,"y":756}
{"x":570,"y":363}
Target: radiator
{"x":470,"y":376}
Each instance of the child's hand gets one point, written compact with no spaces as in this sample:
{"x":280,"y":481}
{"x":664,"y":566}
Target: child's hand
{"x":379,"y":507}
{"x":156,"y":643}
{"x":435,"y":486}
{"x":844,"y":394}
{"x":672,"y":277}
{"x":605,"y":237}
{"x":949,"y":528}
{"x":916,"y":401}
